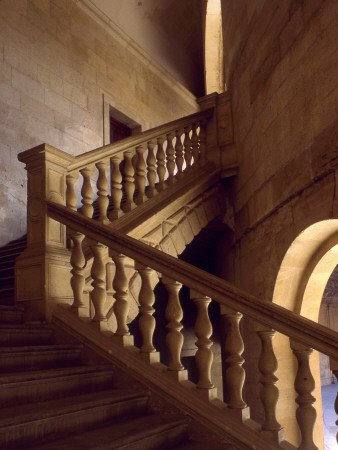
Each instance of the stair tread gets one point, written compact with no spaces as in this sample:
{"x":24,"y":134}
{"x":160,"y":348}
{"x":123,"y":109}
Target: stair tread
{"x":27,"y":413}
{"x":26,"y":326}
{"x":193,"y":445}
{"x":39,"y":348}
{"x":7,"y":308}
{"x":49,"y":374}
{"x":117,"y":435}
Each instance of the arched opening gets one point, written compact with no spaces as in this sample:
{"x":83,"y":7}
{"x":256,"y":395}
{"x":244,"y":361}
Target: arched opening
{"x":303,"y":275}
{"x":213,"y":48}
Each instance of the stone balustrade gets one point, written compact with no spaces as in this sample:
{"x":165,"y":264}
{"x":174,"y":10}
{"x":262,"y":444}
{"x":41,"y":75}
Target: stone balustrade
{"x":131,"y":171}
{"x":150,"y":262}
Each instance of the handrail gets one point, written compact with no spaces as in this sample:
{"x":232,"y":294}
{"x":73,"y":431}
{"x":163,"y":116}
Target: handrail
{"x":270,"y":315}
{"x":109,"y":150}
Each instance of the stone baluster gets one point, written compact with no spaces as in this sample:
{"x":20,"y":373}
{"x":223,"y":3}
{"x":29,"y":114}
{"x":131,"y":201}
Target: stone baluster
{"x":234,"y":347}
{"x":102,"y":191}
{"x":187,"y":147}
{"x":151,"y":166}
{"x":174,"y":315}
{"x":161,"y":169}
{"x":203,"y":331}
{"x":87,"y":192}
{"x":129,"y":181}
{"x":267,"y":365}
{"x":170,"y":159}
{"x":120,"y":286}
{"x":140,"y":177}
{"x":179,"y":154}
{"x":146,"y":300}
{"x":195,"y":143}
{"x":202,"y":137}
{"x":304,"y":385}
{"x":71,"y":198}
{"x":116,"y":188}
{"x":77,"y":281}
{"x":98,"y":294}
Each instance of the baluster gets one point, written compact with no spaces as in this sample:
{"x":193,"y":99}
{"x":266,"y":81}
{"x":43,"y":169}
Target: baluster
{"x":304,"y":385}
{"x":267,"y":366}
{"x":151,"y":164}
{"x":71,"y":198}
{"x":203,"y":331}
{"x":102,"y":191}
{"x":161,"y":170}
{"x":129,"y":181}
{"x":77,"y":262}
{"x":146,"y":300}
{"x":179,"y":154}
{"x":187,"y":147}
{"x":116,"y":188}
{"x":202,"y":136}
{"x":120,"y":286}
{"x":170,"y":159}
{"x":195,"y":142}
{"x":234,"y":347}
{"x":140,"y":178}
{"x":98,"y":294}
{"x":174,"y":315}
{"x":87,"y":192}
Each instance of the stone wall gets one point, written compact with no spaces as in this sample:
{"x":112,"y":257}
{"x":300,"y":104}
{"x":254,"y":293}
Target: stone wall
{"x":56,"y":63}
{"x":281,"y":66}
{"x":281,"y":63}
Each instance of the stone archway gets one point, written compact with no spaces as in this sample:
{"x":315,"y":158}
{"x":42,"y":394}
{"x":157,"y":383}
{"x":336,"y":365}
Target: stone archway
{"x":301,"y":280}
{"x":213,"y":48}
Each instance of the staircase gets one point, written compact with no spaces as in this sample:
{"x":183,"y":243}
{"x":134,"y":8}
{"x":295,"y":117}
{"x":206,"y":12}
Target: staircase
{"x":162,"y":187}
{"x":52,"y":398}
{"x":8,"y":255}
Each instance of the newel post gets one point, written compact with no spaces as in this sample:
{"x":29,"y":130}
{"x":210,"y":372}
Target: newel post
{"x":43,"y":270}
{"x":219,"y":138}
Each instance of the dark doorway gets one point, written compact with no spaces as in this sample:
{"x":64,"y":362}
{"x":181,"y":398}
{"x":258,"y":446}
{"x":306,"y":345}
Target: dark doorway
{"x":118,"y":130}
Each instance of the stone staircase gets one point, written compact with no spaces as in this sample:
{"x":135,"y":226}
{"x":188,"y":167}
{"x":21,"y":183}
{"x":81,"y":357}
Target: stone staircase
{"x":8,"y":254}
{"x":53,"y":395}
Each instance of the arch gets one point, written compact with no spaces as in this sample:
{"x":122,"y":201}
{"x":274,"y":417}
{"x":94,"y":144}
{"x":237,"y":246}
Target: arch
{"x":213,"y":48}
{"x":300,"y":284}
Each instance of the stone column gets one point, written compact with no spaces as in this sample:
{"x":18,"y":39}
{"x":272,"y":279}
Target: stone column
{"x":43,"y":270}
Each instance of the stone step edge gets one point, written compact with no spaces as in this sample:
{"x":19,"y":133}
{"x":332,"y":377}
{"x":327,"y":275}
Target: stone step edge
{"x":12,"y":416}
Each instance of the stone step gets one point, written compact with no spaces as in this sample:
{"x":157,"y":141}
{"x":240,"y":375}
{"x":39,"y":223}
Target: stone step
{"x":6,"y":271}
{"x":191,"y":445}
{"x":7,"y":282}
{"x":9,"y":255}
{"x":25,"y":334}
{"x":10,"y":314}
{"x":27,"y":387}
{"x":33,"y":423}
{"x":148,"y":432}
{"x":39,"y":357}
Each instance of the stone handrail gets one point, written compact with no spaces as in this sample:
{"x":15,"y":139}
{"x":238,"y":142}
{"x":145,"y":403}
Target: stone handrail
{"x":101,"y":153}
{"x":268,"y":314}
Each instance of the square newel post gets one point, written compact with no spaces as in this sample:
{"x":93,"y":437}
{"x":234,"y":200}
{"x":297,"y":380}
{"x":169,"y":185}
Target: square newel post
{"x":43,"y":270}
{"x":220,"y":146}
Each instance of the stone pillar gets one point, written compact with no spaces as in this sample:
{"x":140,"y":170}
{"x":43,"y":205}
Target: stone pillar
{"x":43,"y":270}
{"x":220,"y":146}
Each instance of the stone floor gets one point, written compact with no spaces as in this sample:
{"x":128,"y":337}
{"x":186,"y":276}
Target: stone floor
{"x":329,"y":393}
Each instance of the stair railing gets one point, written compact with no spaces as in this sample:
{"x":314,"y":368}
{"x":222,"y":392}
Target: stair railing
{"x":126,"y":174}
{"x":304,"y":334}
